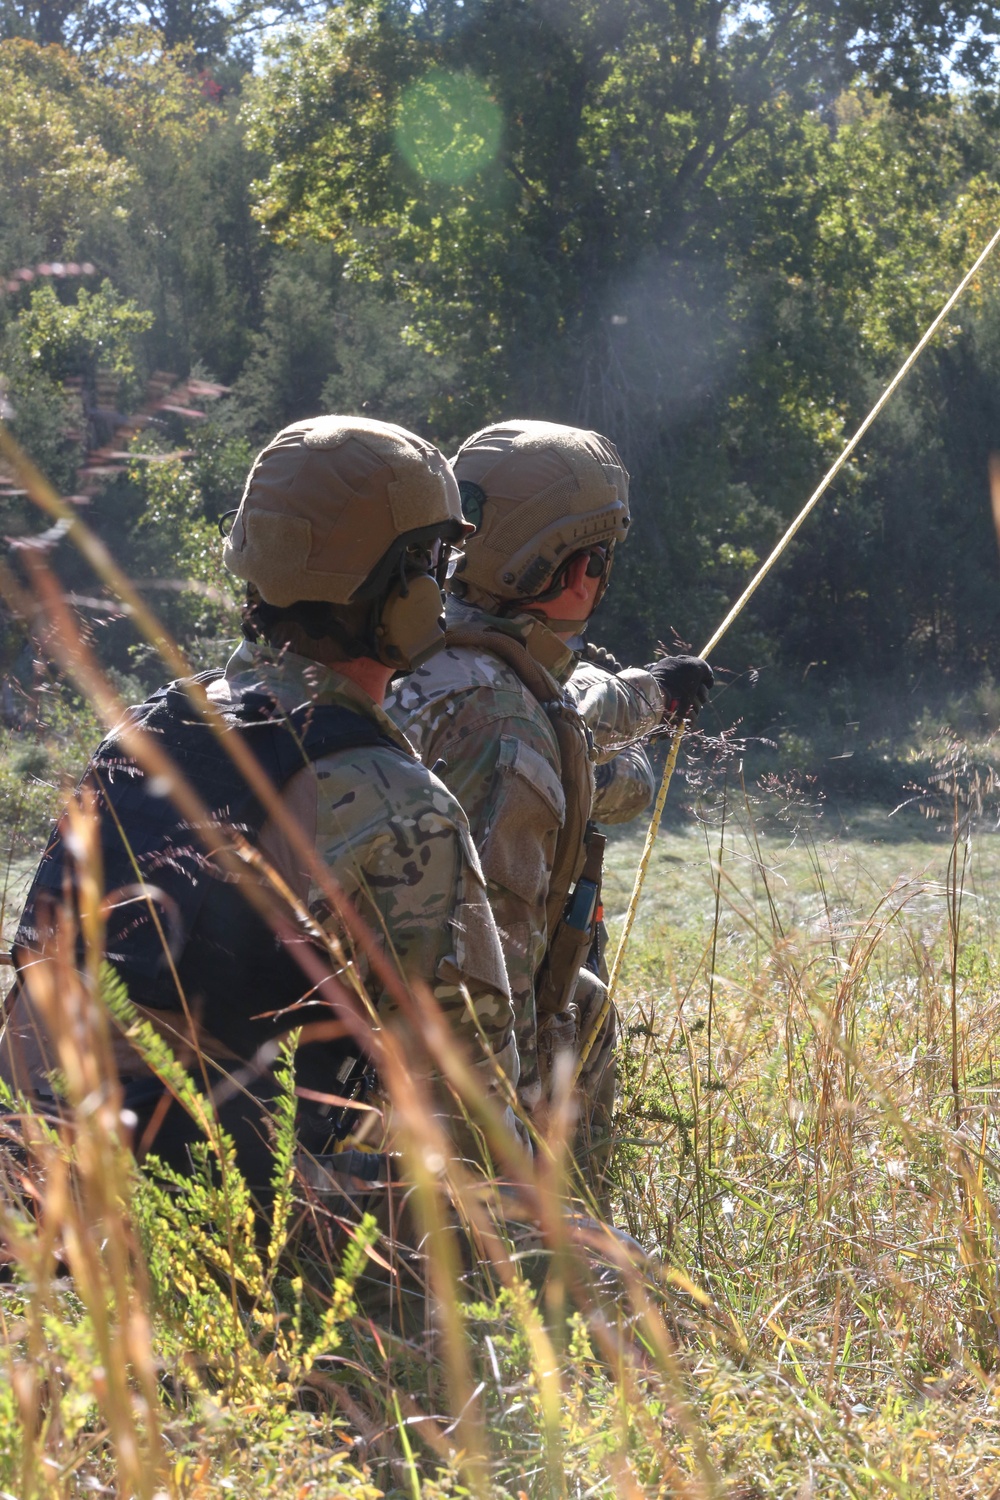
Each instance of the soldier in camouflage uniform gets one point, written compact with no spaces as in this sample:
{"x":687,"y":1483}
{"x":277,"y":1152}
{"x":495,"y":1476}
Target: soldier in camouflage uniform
{"x":342,"y":536}
{"x":517,"y":734}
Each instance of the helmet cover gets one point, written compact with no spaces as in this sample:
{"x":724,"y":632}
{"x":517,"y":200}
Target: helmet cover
{"x":327,"y":499}
{"x":537,"y":493}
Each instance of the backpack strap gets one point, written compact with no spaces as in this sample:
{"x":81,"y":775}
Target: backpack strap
{"x":142,"y":831}
{"x":314,"y":730}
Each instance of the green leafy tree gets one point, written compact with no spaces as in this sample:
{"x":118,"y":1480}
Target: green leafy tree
{"x":895,"y":208}
{"x":711,"y":231}
{"x":502,"y":163}
{"x":172,"y":549}
{"x":209,"y":29}
{"x":653,"y":218}
{"x":56,"y":173}
{"x":324,"y":345}
{"x":93,"y":334}
{"x":56,"y":22}
{"x":65,"y":365}
{"x":168,"y":244}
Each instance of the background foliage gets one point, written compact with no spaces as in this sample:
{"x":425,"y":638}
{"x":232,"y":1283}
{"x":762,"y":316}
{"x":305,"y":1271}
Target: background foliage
{"x":710,"y":231}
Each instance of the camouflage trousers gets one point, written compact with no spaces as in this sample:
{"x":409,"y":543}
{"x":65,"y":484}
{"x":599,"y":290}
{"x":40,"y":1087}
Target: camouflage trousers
{"x":569,"y":1032}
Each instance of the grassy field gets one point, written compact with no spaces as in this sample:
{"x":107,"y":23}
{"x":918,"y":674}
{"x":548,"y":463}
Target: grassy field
{"x":800,"y":1151}
{"x":808,"y":1151}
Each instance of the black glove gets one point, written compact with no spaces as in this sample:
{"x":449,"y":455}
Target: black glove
{"x":685,"y":682}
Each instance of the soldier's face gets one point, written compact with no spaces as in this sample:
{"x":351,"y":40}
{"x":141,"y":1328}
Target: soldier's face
{"x":579,"y":595}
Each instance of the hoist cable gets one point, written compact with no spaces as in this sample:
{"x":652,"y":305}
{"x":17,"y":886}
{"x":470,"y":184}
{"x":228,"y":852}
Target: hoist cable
{"x":737,"y":609}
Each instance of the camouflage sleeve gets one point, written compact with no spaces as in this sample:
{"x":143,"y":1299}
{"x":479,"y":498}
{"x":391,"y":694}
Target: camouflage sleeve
{"x":410,"y":866}
{"x":625,"y":786}
{"x":500,"y":760}
{"x":618,"y":708}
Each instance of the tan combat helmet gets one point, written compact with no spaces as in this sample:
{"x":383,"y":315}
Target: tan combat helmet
{"x":537,"y":494}
{"x":335,"y":509}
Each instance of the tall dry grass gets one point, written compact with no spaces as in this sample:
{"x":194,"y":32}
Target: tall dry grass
{"x":239,"y":1354}
{"x":808,"y":1152}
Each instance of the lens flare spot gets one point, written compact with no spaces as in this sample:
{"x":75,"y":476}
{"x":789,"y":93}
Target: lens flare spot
{"x":448,"y":127}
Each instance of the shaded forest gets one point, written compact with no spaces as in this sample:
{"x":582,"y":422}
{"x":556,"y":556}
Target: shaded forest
{"x":710,"y":231}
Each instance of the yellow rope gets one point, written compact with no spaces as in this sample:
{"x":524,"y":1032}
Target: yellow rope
{"x":640,"y":874}
{"x":737,"y":609}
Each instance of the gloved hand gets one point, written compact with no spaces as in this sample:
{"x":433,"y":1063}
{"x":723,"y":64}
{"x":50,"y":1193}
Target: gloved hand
{"x":601,"y":657}
{"x":685,"y":682}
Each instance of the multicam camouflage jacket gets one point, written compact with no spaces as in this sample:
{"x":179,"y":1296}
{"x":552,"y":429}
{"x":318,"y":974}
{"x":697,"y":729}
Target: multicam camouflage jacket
{"x":613,"y":705}
{"x":400,"y":849}
{"x":473,"y":721}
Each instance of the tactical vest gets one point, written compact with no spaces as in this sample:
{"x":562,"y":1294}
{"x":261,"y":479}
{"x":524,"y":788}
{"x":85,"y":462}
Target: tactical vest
{"x":568,"y":943}
{"x":174,"y":913}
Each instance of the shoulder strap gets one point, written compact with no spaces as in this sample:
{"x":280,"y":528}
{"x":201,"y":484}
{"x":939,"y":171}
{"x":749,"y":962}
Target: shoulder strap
{"x":284,"y":740}
{"x":574,"y":757}
{"x":534,"y":676}
{"x":144,"y":838}
{"x":316,"y":729}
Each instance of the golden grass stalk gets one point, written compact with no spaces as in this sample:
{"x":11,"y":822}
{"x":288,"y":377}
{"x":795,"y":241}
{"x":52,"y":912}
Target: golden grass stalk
{"x":83,"y":1204}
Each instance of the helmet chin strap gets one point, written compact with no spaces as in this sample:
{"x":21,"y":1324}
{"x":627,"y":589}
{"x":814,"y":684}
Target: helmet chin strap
{"x":577,"y":628}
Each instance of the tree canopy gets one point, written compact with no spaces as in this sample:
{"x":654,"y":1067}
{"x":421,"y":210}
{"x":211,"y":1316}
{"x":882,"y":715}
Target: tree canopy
{"x":620,"y":129}
{"x":705,"y":229}
{"x":209,"y":28}
{"x":709,"y":230}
